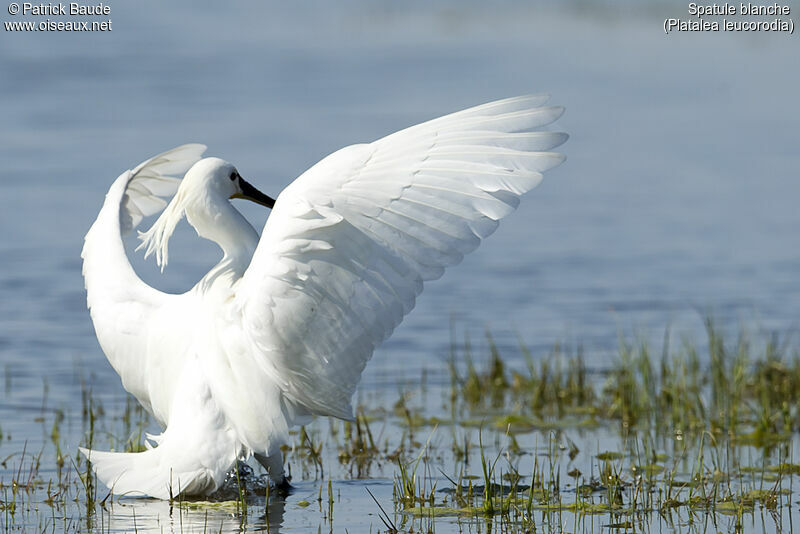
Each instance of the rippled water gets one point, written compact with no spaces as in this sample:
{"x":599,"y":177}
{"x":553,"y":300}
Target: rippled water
{"x":678,"y":199}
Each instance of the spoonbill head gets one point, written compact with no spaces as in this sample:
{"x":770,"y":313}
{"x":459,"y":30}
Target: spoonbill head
{"x":202,"y":197}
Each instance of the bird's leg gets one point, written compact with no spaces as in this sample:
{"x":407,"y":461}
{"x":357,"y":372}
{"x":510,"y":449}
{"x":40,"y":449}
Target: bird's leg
{"x":273,"y":463}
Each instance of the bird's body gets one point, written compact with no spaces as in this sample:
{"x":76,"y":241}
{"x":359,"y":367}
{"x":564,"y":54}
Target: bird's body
{"x":281,"y":328}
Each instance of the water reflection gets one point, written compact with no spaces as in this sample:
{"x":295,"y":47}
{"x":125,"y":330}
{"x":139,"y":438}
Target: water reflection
{"x":151,"y":515}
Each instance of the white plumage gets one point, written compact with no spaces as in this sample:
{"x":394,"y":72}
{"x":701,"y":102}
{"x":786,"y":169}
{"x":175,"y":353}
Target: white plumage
{"x":282,"y":327}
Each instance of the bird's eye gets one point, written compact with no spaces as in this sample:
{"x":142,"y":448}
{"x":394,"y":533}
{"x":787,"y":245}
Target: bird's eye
{"x":234,"y":176}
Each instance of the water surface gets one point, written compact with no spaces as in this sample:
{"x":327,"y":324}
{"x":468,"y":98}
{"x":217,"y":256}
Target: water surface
{"x":678,"y":198}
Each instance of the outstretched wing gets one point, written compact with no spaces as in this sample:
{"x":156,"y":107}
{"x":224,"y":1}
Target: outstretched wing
{"x":350,"y":243}
{"x":119,"y":301}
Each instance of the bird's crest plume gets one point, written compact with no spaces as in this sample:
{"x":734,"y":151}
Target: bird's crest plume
{"x":156,"y":239}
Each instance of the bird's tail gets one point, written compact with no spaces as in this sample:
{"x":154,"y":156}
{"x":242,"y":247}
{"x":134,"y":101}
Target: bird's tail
{"x":150,"y":473}
{"x":191,"y":457}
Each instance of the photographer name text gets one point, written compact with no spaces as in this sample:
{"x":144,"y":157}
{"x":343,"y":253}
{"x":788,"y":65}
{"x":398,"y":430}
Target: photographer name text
{"x":59,"y":17}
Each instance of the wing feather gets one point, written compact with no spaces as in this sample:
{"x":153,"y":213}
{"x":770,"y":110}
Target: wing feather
{"x":151,"y":180}
{"x":350,"y":243}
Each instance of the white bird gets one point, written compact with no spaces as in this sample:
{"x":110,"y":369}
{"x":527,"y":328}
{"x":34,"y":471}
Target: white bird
{"x":281,"y":328}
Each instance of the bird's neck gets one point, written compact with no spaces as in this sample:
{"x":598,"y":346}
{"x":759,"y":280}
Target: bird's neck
{"x":220,"y":222}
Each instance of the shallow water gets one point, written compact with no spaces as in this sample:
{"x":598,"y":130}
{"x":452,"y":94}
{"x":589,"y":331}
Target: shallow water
{"x":679,"y":197}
